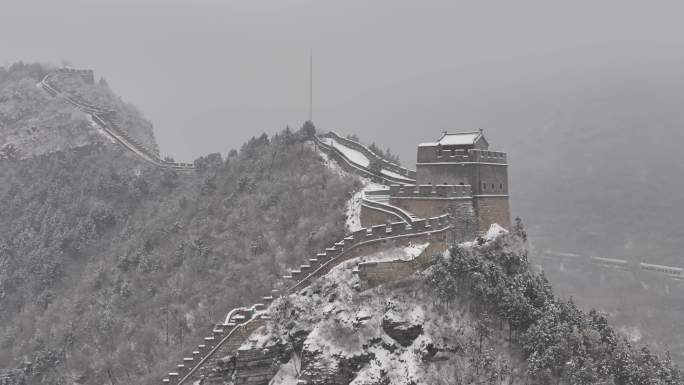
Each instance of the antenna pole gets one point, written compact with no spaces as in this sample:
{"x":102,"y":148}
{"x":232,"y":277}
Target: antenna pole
{"x":311,"y":88}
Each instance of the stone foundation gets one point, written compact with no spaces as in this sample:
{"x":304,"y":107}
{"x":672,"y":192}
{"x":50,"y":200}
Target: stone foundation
{"x":491,"y":210}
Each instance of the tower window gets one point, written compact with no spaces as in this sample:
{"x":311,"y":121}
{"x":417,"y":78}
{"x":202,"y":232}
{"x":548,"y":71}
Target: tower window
{"x":492,"y":186}
{"x":439,"y":152}
{"x":484,"y":185}
{"x":501,"y":186}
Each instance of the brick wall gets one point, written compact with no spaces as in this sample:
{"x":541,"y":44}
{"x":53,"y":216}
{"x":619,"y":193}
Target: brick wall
{"x":372,"y":274}
{"x":492,"y":210}
{"x":432,"y":207}
{"x":371,"y":216}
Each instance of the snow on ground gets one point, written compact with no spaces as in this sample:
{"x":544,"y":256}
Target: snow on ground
{"x":361,"y":159}
{"x":494,"y":232}
{"x":353,"y":212}
{"x":332,"y":164}
{"x":347,"y":326}
{"x":353,"y":206}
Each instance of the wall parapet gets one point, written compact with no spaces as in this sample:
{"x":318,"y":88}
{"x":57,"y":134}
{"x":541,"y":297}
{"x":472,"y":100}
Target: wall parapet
{"x":387,"y":165}
{"x":352,"y":167}
{"x":434,"y":154}
{"x":431,"y":191}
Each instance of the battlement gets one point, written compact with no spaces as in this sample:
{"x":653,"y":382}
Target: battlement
{"x":431,"y":191}
{"x":487,"y":156}
{"x":437,"y":154}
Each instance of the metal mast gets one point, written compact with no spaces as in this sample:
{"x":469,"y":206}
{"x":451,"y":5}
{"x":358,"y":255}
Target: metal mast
{"x":311,"y":88}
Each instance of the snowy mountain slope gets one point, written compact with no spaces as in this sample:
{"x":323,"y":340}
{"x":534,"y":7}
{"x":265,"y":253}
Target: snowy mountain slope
{"x":393,"y":334}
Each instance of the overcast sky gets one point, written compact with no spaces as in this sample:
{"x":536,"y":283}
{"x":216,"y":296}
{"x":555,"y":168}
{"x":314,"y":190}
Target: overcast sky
{"x":211,"y":74}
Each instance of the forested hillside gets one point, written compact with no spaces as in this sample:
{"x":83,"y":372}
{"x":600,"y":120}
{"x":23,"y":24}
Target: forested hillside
{"x":99,"y":94}
{"x":109,"y":267}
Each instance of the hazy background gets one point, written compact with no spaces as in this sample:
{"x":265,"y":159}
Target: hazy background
{"x":210,"y":74}
{"x":585,"y":96}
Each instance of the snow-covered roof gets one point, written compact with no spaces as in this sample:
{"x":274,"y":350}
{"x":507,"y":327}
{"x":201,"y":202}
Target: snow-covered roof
{"x":455,"y":139}
{"x":459,"y":139}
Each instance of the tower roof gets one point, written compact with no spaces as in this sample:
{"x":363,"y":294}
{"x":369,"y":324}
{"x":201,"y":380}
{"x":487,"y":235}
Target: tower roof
{"x":457,"y":139}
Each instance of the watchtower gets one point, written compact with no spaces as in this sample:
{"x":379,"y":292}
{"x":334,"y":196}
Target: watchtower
{"x":465,"y":159}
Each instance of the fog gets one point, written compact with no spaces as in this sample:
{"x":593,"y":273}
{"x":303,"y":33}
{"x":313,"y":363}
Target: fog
{"x":547,"y":81}
{"x":212,"y":74}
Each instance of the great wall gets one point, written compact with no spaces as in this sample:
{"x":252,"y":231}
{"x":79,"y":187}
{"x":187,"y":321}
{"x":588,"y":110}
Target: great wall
{"x":106,"y":119}
{"x":392,"y":216}
{"x":459,"y":189}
